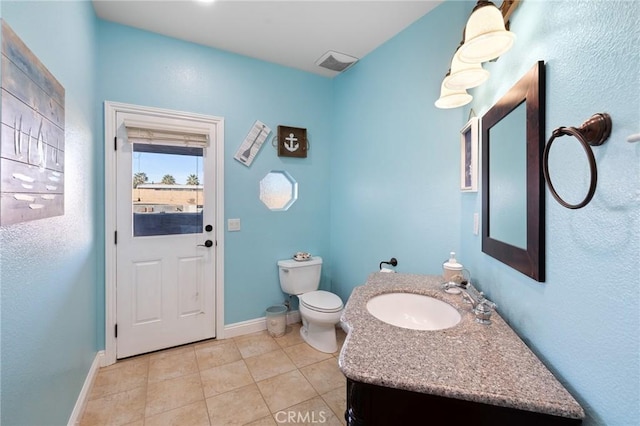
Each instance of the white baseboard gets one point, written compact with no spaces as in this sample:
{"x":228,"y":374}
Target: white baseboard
{"x":81,"y":403}
{"x":254,"y":325}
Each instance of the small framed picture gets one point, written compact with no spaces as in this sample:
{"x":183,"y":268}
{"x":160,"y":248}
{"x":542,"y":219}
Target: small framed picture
{"x":469,"y":155}
{"x":292,"y":142}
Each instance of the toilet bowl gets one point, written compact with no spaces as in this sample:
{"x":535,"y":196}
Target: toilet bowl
{"x":320,"y":310}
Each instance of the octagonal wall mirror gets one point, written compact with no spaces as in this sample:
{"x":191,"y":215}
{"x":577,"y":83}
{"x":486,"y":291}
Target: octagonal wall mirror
{"x":512,"y":182}
{"x":278,"y":190}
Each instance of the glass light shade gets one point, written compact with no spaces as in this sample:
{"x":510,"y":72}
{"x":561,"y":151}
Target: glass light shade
{"x":464,"y":75}
{"x":452,"y":98}
{"x":485,"y":36}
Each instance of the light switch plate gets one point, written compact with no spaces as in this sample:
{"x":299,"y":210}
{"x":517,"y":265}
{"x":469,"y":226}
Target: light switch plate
{"x":233,"y":224}
{"x":476,"y":223}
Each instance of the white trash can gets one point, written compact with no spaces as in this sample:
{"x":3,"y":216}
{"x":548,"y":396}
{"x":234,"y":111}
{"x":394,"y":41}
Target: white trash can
{"x":276,"y":320}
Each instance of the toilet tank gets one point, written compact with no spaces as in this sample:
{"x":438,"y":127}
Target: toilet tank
{"x":300,"y":277}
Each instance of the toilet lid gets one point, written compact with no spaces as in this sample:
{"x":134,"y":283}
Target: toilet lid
{"x":321,"y":301}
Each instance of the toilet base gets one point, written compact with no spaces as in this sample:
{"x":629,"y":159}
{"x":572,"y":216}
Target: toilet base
{"x":321,"y":337}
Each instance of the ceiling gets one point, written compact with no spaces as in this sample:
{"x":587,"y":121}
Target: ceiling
{"x":293,"y":33}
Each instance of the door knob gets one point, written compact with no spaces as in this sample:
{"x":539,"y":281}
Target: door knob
{"x":208,"y":228}
{"x":207,"y":243}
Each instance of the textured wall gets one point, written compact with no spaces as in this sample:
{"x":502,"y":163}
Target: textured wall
{"x":395,"y":173}
{"x":391,"y":160}
{"x":48,"y":267}
{"x":396,"y":193}
{"x":142,"y":68}
{"x":583,"y":322}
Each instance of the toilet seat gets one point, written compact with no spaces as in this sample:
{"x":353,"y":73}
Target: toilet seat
{"x":321,"y":301}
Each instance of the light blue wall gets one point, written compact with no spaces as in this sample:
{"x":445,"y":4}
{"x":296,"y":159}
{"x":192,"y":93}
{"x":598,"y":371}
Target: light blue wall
{"x":395,"y":186}
{"x":48,"y":267}
{"x":584,"y":320}
{"x":395,"y":168}
{"x":142,"y":68}
{"x":381,"y":180}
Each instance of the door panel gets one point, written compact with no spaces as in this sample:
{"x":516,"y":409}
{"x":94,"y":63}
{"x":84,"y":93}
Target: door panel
{"x":147,"y":291}
{"x":165,"y":273}
{"x":191,"y":273}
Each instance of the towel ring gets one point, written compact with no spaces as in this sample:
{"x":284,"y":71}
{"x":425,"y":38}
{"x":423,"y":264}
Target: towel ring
{"x":593,"y":132}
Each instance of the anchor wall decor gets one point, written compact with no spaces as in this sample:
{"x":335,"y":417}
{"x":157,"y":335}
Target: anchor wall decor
{"x":292,"y":142}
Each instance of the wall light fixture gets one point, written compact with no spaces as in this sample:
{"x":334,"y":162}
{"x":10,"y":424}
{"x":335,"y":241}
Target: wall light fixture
{"x":485,"y":38}
{"x":464,"y":75}
{"x":452,"y":98}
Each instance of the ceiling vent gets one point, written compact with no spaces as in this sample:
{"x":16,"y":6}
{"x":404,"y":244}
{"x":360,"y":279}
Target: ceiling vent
{"x":335,"y":61}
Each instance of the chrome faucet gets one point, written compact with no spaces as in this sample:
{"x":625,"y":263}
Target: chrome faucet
{"x":482,"y":307}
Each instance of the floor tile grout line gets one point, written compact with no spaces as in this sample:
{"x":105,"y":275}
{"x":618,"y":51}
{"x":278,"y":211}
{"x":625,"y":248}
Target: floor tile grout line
{"x":290,"y":359}
{"x":263,"y":399}
{"x":338,"y":415}
{"x":281,"y":347}
{"x":146,"y":391}
{"x":307,"y":400}
{"x":204,"y":397}
{"x":317,"y":394}
{"x":173,"y":378}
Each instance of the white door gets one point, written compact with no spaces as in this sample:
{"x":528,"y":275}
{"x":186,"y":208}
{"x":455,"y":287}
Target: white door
{"x":166,"y":241}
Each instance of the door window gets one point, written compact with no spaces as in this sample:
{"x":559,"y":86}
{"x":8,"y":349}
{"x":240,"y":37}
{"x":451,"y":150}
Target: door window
{"x":167,"y":191}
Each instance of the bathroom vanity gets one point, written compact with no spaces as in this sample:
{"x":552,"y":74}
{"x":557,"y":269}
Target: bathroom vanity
{"x":467,"y":374}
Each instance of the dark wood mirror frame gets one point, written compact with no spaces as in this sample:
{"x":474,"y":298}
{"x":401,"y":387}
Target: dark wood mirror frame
{"x":531,"y":90}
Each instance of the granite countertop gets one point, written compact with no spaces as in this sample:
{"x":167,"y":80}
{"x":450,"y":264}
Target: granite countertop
{"x":482,"y":363}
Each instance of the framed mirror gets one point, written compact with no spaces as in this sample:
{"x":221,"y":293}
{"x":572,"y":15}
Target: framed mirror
{"x":512,"y":181}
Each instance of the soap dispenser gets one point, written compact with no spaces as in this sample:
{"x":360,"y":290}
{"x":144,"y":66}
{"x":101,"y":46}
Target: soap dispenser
{"x":451,"y":268}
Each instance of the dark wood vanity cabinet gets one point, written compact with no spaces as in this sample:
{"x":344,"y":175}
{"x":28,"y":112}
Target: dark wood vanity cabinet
{"x":370,"y":405}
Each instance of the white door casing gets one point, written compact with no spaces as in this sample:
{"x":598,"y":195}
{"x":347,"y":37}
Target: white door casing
{"x":165,"y":267}
{"x":161,"y":290}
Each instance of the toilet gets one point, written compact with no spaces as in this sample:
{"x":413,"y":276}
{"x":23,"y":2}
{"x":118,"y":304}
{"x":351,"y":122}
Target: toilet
{"x":320,"y":310}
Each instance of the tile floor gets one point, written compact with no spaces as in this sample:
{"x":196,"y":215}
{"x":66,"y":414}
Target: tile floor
{"x":247,"y":380}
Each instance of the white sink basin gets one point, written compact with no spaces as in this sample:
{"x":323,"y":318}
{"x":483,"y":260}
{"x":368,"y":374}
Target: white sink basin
{"x":413,"y":311}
